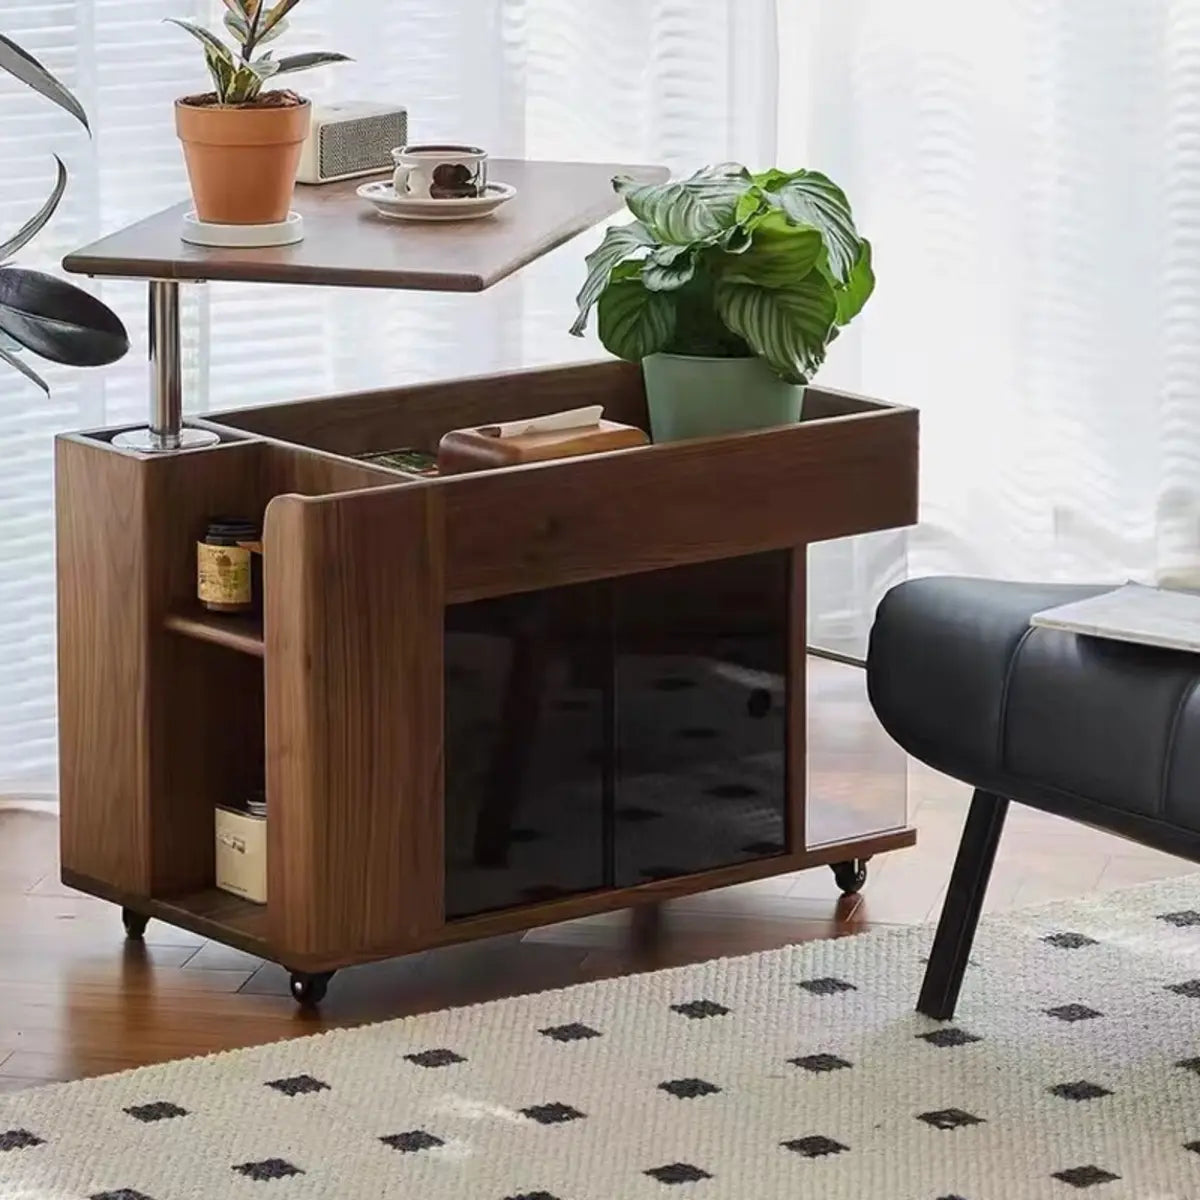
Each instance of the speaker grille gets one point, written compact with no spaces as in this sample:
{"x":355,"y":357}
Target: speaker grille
{"x":361,"y":145}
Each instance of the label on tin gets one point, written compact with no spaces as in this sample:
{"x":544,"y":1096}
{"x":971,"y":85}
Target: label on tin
{"x":223,"y":574}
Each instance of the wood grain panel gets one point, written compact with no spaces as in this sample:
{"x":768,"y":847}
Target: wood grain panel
{"x":347,"y":245}
{"x":666,"y":505}
{"x":797,"y":703}
{"x":354,"y":722}
{"x":418,"y":415}
{"x":103,"y":664}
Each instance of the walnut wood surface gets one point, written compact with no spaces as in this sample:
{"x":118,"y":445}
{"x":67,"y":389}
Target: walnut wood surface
{"x":347,"y":244}
{"x":354,"y":664}
{"x":419,"y":414}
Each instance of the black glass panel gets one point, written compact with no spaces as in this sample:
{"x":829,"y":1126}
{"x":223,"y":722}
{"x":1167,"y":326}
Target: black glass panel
{"x":527,"y":693}
{"x":701,"y":675}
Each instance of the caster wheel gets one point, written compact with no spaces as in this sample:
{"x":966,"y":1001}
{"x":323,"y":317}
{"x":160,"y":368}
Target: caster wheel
{"x":135,"y":924}
{"x":759,"y":703}
{"x":309,"y":990}
{"x":850,"y":876}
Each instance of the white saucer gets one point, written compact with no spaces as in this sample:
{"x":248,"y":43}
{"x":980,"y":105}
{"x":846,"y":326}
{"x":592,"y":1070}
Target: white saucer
{"x":387,"y":203}
{"x":206,"y":233}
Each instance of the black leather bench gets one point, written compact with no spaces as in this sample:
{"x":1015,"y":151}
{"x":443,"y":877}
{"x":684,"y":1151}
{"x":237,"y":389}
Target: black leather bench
{"x":1103,"y":732}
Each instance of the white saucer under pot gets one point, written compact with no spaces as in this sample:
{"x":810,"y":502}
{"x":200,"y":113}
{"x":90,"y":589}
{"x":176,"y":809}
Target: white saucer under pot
{"x":232,"y":237}
{"x":384,"y":199}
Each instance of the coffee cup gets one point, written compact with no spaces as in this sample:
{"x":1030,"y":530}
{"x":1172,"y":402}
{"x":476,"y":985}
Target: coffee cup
{"x":440,"y":172}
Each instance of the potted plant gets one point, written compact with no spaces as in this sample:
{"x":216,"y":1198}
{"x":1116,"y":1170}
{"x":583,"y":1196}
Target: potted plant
{"x":41,"y":313}
{"x":242,"y":144}
{"x":728,"y":287}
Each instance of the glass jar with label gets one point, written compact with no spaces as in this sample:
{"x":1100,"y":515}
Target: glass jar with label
{"x":224,"y":572}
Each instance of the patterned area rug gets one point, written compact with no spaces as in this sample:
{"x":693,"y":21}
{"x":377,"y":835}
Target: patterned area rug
{"x":1072,"y":1069}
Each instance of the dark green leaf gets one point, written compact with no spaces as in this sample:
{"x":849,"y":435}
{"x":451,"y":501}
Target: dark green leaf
{"x":688,"y":210}
{"x":634,"y":321}
{"x":789,"y":328}
{"x":27,"y":69}
{"x":29,"y":373}
{"x":210,"y":41}
{"x":59,"y":321}
{"x":669,"y":267}
{"x":37,"y":222}
{"x":810,"y":198}
{"x":858,"y":288}
{"x":619,"y":242}
{"x":317,"y":58}
{"x":780,"y":254}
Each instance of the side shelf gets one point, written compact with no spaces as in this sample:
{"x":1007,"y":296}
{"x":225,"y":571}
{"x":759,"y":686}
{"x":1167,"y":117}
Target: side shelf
{"x":241,"y":633}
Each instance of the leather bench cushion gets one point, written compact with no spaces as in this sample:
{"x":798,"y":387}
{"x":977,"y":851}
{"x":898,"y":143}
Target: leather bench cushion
{"x":1103,"y":731}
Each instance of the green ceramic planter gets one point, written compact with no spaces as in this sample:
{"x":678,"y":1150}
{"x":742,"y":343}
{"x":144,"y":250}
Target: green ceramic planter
{"x":706,"y":397}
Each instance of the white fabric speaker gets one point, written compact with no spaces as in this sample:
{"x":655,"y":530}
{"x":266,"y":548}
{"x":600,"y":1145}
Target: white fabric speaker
{"x":351,"y":139}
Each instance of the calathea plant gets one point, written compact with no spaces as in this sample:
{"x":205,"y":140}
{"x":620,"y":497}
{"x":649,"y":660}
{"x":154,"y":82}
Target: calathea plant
{"x":730,"y":264}
{"x":38,"y":312}
{"x":237,"y":75}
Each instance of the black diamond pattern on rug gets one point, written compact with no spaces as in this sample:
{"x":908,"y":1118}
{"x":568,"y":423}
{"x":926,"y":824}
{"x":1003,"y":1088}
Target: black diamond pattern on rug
{"x":688,"y":1089}
{"x":532,"y":1196}
{"x":949,"y":1118}
{"x":160,"y":1110}
{"x":1190,"y":1064}
{"x":435,"y":1058}
{"x":553,"y":1114}
{"x":814,"y":1147}
{"x":1073,"y":1012}
{"x":677,"y":1173}
{"x":1194,"y":1147}
{"x":819,"y":1064}
{"x":1081,"y":1089}
{"x":1181,"y":919}
{"x":1189,"y":988}
{"x":19,"y":1139}
{"x":698,"y":1010}
{"x":269,"y":1168}
{"x":827,"y":986}
{"x":571,"y":1033}
{"x":298,"y":1085}
{"x":121,"y":1194}
{"x":1070,"y":941}
{"x":1085,"y":1177}
{"x":412,"y":1141}
{"x":948,"y":1037}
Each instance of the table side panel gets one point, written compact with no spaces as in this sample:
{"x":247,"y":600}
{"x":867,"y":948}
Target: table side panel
{"x":354,"y":659}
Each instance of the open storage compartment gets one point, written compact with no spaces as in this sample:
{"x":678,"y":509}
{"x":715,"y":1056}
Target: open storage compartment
{"x":479,"y":702}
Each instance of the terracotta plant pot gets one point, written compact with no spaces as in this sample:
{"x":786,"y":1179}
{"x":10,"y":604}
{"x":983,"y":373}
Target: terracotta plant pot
{"x":242,"y":161}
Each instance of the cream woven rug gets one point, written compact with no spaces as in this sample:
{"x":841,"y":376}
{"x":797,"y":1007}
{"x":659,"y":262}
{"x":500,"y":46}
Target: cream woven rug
{"x":1072,"y":1069}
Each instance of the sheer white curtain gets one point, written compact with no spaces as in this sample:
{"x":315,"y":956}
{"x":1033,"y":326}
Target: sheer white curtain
{"x":681,"y":82}
{"x":1029,"y":172}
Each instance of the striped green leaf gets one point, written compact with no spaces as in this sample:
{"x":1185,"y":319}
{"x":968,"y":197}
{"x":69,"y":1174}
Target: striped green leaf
{"x":858,"y":288}
{"x":688,"y":210}
{"x":810,"y":198}
{"x":620,"y":241}
{"x":780,"y":254}
{"x":669,"y":267}
{"x":302,"y":62}
{"x":634,"y":321}
{"x":787,"y":327}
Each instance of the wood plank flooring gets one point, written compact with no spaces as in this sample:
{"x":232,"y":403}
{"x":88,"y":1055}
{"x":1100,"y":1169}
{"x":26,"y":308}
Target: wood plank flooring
{"x":76,"y":1000}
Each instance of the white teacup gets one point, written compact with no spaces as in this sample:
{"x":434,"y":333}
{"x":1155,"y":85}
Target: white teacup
{"x":440,"y":172}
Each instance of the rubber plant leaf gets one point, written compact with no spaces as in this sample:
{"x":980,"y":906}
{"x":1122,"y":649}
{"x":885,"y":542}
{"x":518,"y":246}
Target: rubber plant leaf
{"x":315,"y":58}
{"x":787,"y":327}
{"x":634,"y":321}
{"x":7,"y":356}
{"x":59,"y":321}
{"x":211,"y":43}
{"x":692,"y":209}
{"x":619,"y":242}
{"x":37,"y":222}
{"x":21,"y":64}
{"x":275,"y":14}
{"x":810,"y":198}
{"x":238,"y":26}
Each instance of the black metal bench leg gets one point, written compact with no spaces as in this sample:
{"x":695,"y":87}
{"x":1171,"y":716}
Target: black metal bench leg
{"x":964,"y":900}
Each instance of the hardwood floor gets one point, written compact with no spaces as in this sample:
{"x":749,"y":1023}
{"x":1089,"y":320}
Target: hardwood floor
{"x":77,"y":1000}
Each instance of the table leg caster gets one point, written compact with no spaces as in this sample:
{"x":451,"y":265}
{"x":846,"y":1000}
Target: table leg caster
{"x":309,"y":990}
{"x":135,"y":924}
{"x":851,"y":875}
